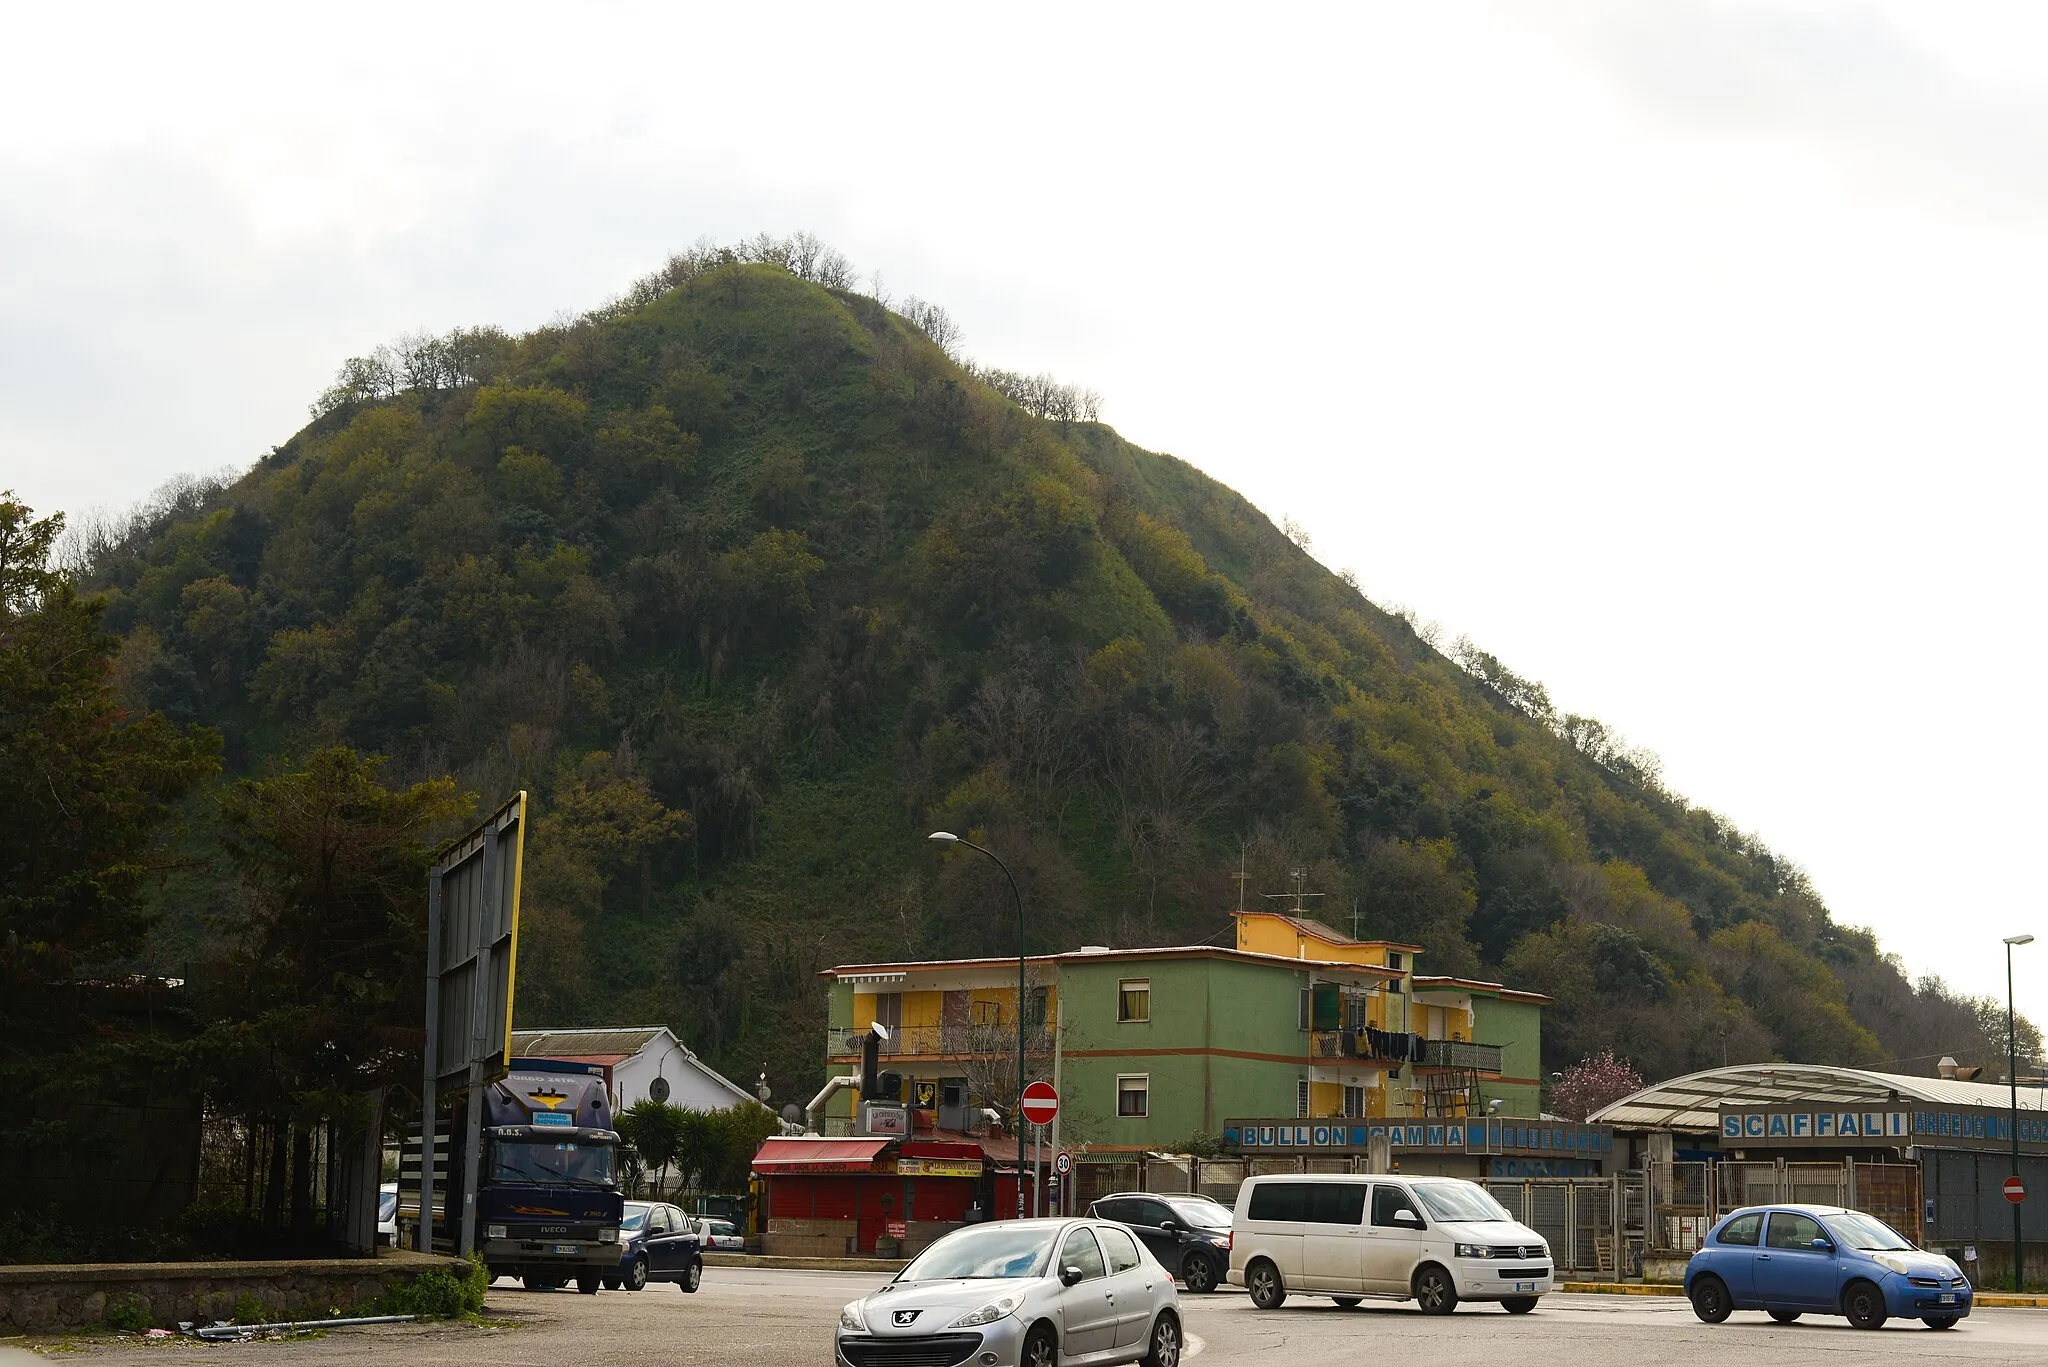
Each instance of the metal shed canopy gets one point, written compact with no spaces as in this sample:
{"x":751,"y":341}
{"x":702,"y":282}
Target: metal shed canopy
{"x":1693,"y":1102}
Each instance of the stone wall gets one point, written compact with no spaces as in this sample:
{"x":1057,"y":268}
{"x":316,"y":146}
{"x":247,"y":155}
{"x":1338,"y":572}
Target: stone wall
{"x":53,"y":1298}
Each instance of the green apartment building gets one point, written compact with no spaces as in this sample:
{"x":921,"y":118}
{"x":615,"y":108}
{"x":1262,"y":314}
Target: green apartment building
{"x":1152,"y":1047}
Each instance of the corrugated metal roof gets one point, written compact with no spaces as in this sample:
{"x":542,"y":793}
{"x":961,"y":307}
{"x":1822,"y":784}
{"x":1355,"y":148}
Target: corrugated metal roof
{"x":554,"y":1043}
{"x":1693,"y":1102}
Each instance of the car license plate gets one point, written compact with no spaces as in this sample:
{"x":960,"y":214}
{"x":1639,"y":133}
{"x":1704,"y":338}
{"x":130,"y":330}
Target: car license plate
{"x":1948,"y":1298}
{"x":1525,"y":1286}
{"x":565,"y":1248}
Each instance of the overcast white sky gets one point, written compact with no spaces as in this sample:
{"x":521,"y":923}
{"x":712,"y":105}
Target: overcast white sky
{"x":1686,"y":356}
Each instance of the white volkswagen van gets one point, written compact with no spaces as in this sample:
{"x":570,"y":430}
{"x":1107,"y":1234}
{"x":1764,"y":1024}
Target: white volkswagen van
{"x":1436,"y":1240}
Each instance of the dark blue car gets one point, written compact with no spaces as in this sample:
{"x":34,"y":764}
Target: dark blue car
{"x":657,"y":1243}
{"x":1821,"y":1260}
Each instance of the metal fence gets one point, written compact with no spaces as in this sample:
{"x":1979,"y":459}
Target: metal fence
{"x":1578,"y":1216}
{"x":1687,"y":1198}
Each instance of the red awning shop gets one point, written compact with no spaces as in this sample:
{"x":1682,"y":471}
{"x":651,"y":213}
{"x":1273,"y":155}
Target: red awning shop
{"x":829,"y":1197}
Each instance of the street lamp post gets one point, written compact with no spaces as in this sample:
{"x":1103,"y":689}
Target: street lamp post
{"x":1017,"y":1116}
{"x":2012,"y":1076}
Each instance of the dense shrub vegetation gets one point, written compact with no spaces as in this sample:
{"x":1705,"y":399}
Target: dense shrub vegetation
{"x":753,"y":583}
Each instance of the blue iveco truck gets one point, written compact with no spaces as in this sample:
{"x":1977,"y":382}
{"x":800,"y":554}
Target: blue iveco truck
{"x":548,"y":1205}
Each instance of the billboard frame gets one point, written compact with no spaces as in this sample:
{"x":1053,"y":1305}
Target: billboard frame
{"x":472,"y":960}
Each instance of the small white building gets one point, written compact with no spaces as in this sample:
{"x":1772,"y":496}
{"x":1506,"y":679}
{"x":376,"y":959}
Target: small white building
{"x":645,"y":1061}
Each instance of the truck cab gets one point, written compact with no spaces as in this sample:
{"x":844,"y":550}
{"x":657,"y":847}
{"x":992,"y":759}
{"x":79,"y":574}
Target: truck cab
{"x":548,"y":1204}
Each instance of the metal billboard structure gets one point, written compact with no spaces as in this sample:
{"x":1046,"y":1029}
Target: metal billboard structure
{"x":472,"y":954}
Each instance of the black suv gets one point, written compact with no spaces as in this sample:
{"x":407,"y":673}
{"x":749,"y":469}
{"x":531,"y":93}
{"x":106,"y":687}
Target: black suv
{"x":1189,"y":1235}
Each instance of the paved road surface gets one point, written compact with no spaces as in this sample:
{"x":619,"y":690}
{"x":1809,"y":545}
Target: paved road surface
{"x":752,"y":1317}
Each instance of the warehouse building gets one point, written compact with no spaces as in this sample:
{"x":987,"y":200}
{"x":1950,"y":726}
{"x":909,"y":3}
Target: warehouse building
{"x":1930,"y":1156}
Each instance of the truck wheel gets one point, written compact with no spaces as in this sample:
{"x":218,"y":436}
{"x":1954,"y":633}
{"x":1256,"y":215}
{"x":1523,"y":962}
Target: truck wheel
{"x":693,"y":1276}
{"x":588,"y":1282}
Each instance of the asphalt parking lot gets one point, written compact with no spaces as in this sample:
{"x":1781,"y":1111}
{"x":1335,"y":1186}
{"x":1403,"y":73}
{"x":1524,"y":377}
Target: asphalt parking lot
{"x":771,"y":1317}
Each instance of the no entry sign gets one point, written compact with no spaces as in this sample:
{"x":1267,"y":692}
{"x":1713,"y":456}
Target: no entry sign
{"x":1041,"y":1103}
{"x":2015,"y":1190}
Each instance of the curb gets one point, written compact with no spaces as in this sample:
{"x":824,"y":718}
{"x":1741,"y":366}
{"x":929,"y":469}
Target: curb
{"x":1990,"y":1300}
{"x":883,"y":1265}
{"x":888,"y":1266}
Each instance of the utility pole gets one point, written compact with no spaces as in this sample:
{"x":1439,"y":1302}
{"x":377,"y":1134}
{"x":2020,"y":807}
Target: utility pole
{"x":2012,"y":1077}
{"x":1017,"y":1119}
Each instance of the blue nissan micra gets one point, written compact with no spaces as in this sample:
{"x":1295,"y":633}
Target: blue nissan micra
{"x":1797,"y":1260}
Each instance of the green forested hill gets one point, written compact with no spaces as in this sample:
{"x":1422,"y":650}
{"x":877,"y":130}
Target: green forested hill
{"x":752,"y":584}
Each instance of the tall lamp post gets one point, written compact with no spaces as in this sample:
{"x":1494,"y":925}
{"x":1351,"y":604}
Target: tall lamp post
{"x":2012,"y":1075}
{"x":1017,"y":1116}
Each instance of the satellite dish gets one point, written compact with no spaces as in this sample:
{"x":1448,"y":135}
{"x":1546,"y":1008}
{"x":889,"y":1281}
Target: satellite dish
{"x":793,"y":1113}
{"x":658,"y":1089}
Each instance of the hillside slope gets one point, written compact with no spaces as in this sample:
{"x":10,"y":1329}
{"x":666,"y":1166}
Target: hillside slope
{"x":753,"y":585}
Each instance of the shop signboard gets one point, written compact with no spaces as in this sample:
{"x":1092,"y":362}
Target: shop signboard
{"x":938,"y":1167}
{"x":1498,"y":1135}
{"x":1890,"y":1126}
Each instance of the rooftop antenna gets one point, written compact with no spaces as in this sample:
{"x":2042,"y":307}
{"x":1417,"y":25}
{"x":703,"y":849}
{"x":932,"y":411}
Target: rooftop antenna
{"x":1299,"y":876}
{"x":1241,"y":876}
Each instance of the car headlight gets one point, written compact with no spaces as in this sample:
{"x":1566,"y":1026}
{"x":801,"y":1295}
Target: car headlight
{"x":1471,"y":1250}
{"x":494,"y":1231}
{"x":1890,"y":1262}
{"x":988,"y":1314}
{"x":850,"y":1319}
{"x":607,"y":1236}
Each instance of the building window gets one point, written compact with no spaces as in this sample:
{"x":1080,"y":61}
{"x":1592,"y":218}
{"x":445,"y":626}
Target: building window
{"x":1131,"y":1092}
{"x":1393,"y":958}
{"x":1041,"y":998}
{"x":1302,"y":1010}
{"x":988,"y":1013}
{"x":889,"y":1010}
{"x":1301,"y":1097}
{"x":1354,"y":1102}
{"x":1134,"y":1001}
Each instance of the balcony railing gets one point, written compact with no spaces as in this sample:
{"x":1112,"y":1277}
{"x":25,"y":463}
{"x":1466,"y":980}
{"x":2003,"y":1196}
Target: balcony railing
{"x":1451,"y":1053}
{"x":922,"y":1041}
{"x":1372,"y":1046}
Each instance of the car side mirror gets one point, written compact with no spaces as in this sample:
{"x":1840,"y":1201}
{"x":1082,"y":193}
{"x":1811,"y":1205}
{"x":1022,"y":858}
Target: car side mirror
{"x":1070,"y":1276}
{"x":1823,"y":1246}
{"x":1170,"y":1226}
{"x":1407,"y":1217}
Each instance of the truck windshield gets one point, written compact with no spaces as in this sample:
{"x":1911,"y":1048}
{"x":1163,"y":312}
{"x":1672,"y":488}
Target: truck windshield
{"x":529,"y":1160}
